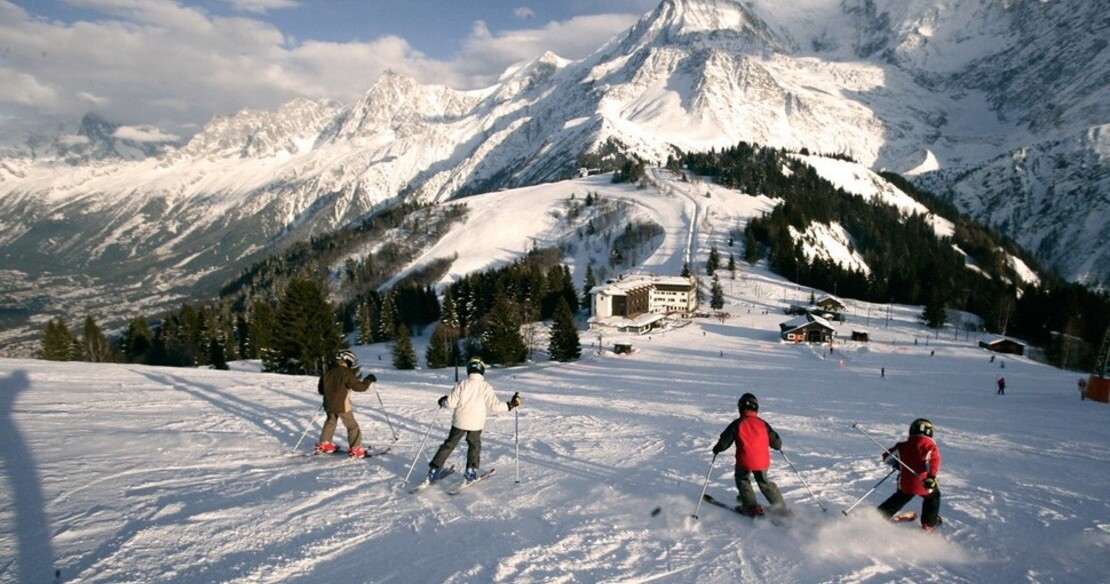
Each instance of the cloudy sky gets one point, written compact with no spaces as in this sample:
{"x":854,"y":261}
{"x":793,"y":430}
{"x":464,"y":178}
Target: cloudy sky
{"x":170,"y":65}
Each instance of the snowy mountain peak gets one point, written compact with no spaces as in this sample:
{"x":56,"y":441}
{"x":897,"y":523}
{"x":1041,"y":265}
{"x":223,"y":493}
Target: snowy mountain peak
{"x":702,"y":24}
{"x":253,"y":133}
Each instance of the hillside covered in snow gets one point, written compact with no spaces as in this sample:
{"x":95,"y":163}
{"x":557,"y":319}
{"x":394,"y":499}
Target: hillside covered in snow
{"x":127,"y":473}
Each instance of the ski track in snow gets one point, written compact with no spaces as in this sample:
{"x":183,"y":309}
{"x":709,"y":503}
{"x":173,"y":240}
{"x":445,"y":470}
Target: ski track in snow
{"x":127,"y":473}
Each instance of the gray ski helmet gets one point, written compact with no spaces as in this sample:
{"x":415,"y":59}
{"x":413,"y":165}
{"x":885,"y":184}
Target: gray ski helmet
{"x":347,"y":357}
{"x":476,"y":366}
{"x":921,"y":426}
{"x":748,"y":403}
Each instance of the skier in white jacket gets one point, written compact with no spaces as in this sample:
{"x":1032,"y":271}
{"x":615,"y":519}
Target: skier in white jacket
{"x":470,"y":399}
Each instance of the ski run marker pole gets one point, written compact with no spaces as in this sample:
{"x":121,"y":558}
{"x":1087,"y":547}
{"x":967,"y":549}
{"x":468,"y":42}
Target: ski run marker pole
{"x":704,"y":486}
{"x":849,"y":509}
{"x":895,"y":456}
{"x":421,"y":449}
{"x":516,"y":437}
{"x":812,"y":494}
{"x":385,"y":412}
{"x":311,"y":423}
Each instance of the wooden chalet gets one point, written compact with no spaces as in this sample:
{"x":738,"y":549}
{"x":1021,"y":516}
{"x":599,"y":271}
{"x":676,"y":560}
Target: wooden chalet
{"x":1004,"y":345}
{"x":808,"y":328}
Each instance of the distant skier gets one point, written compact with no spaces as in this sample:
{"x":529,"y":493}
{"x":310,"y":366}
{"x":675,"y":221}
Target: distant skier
{"x":470,"y":399}
{"x":753,"y":438}
{"x":920,"y":453}
{"x":1001,"y":386}
{"x":336,"y":386}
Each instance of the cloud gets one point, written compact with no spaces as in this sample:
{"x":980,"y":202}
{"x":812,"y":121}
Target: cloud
{"x":524,"y":13}
{"x":143,"y":134}
{"x":261,"y":6}
{"x":164,"y":64}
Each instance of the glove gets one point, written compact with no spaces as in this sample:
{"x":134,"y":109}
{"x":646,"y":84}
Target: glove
{"x":930,"y":483}
{"x":514,"y":402}
{"x":370,"y":377}
{"x":717,"y":451}
{"x":443,"y":402}
{"x":891,"y":460}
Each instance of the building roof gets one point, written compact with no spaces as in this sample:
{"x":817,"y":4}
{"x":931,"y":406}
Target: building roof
{"x":804,"y":320}
{"x":623,"y":286}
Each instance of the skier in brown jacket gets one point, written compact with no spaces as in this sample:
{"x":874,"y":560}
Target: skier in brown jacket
{"x":336,"y":386}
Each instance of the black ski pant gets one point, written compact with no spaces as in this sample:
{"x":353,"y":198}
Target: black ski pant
{"x":766,"y":486}
{"x":930,"y":506}
{"x":473,"y":447}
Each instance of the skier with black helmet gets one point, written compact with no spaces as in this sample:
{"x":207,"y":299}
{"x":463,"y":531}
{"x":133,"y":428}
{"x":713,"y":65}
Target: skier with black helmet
{"x":470,"y":399}
{"x":919,"y":460}
{"x":753,"y":438}
{"x":336,"y":386}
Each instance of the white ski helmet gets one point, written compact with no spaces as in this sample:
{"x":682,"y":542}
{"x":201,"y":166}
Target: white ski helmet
{"x":347,"y":356}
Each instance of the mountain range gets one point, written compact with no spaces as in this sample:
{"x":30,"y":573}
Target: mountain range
{"x":998,"y":107}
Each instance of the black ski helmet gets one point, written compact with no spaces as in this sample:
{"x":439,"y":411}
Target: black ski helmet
{"x":748,"y":403}
{"x":476,"y":366}
{"x":921,"y":426}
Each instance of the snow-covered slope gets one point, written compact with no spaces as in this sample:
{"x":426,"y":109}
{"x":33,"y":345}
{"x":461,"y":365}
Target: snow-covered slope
{"x":126,"y":473}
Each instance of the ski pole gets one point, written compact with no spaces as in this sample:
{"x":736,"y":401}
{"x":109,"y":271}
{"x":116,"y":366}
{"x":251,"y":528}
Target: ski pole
{"x":704,"y":485}
{"x":421,"y":449}
{"x":849,"y":509}
{"x":895,"y":456}
{"x":800,"y":477}
{"x":516,"y":437}
{"x":311,"y":423}
{"x":385,"y":413}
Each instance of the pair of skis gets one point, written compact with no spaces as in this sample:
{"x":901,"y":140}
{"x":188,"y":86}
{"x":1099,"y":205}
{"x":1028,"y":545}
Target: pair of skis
{"x":904,"y":517}
{"x":455,"y":490}
{"x":370,"y":453}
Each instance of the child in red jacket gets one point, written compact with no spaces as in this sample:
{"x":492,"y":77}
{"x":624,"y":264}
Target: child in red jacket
{"x":753,"y":438}
{"x":919,"y":452}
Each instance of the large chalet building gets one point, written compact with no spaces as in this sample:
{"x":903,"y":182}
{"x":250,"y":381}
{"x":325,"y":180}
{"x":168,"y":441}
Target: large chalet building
{"x":637,"y":303}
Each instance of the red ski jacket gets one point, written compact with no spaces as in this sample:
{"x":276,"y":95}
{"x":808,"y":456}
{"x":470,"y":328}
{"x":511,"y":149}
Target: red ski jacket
{"x":920,"y":453}
{"x":753,"y":437}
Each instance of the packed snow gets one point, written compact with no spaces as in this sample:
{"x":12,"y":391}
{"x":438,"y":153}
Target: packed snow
{"x":129,"y":473}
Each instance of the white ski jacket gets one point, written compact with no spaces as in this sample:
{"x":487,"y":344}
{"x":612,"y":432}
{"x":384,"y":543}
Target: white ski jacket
{"x":471,"y":398}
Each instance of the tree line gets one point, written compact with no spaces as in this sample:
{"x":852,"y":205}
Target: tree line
{"x":909,"y":263}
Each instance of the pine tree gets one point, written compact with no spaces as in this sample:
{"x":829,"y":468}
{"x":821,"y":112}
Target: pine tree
{"x":502,"y":343}
{"x":57,"y":342}
{"x":716,"y":295}
{"x":138,"y":340}
{"x":564,"y":344}
{"x":307,"y":335}
{"x":387,"y":318}
{"x":261,"y":330}
{"x":588,"y":285}
{"x":94,"y":344}
{"x":404,"y":357}
{"x":365,"y":320}
{"x":934,"y":316}
{"x":713,"y":262}
{"x":442,"y":349}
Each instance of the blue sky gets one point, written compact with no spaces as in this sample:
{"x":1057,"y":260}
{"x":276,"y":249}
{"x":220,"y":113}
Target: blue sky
{"x":172,"y":65}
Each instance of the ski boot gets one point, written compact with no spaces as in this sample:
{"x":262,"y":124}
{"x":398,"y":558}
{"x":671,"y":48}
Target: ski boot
{"x":433,"y":476}
{"x":324,"y":448}
{"x":470,"y":475}
{"x":357,"y":452}
{"x":751,"y":510}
